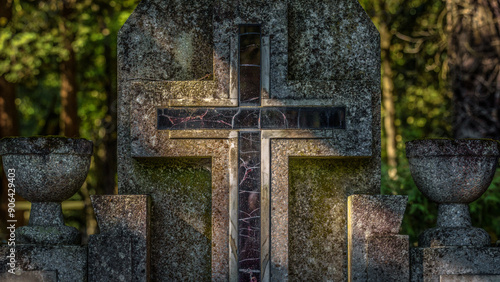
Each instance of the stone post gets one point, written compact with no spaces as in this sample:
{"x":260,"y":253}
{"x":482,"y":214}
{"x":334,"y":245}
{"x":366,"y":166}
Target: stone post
{"x":120,"y":252}
{"x":375,"y":250}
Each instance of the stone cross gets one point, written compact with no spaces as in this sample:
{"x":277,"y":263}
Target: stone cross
{"x":247,"y":121}
{"x":248,"y":85}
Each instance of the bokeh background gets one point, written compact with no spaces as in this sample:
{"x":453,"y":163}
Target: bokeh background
{"x":440,"y":78}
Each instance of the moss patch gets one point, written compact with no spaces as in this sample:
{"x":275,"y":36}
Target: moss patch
{"x":181,"y":192}
{"x":317,"y":215}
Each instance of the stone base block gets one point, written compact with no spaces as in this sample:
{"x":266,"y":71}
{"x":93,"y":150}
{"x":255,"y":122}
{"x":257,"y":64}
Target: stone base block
{"x":68,"y":262}
{"x":470,"y":278}
{"x":388,"y":258}
{"x":48,"y":235}
{"x":122,"y":247}
{"x":376,"y":218}
{"x":29,"y":276}
{"x":458,"y":236}
{"x":110,"y":258}
{"x":432,"y":264}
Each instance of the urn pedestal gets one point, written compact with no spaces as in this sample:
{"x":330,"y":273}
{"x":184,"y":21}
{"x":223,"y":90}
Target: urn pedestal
{"x":48,"y":171}
{"x":453,"y":173}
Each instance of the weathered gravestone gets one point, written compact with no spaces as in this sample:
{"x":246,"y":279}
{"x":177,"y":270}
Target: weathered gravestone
{"x":249,"y":123}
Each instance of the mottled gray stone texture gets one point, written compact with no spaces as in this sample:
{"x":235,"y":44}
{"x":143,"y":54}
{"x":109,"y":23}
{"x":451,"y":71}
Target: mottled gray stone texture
{"x":110,"y":258}
{"x":121,"y":252}
{"x":453,"y":173}
{"x":53,"y":235}
{"x":429,"y":264}
{"x":185,"y":53}
{"x":327,"y":39}
{"x":454,"y":236}
{"x":169,"y":40}
{"x":469,"y":278}
{"x":48,"y":171}
{"x":416,"y":264}
{"x":45,"y":145}
{"x":68,"y":262}
{"x":46,"y":226}
{"x":374,"y":246}
{"x":388,"y":258}
{"x":454,"y":228}
{"x":317,"y":224}
{"x":30,"y":276}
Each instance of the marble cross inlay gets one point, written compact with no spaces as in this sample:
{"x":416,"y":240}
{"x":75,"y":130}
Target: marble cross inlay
{"x":249,"y":119}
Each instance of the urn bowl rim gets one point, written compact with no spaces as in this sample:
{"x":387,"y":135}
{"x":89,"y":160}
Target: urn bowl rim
{"x":45,"y":145}
{"x":452,"y":147}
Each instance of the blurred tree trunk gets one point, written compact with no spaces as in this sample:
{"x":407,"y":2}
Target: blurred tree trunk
{"x":383,"y":21}
{"x":8,"y":117}
{"x":51,"y":124}
{"x":474,"y":59}
{"x":70,"y":123}
{"x":388,"y":100}
{"x":8,"y":113}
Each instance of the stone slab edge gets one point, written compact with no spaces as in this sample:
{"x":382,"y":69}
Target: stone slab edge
{"x":388,"y":258}
{"x":127,"y":217}
{"x":370,"y":215}
{"x":110,"y":258}
{"x":428,"y":264}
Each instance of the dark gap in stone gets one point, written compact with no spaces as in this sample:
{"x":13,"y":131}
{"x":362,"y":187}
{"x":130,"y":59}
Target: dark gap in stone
{"x":249,"y":65}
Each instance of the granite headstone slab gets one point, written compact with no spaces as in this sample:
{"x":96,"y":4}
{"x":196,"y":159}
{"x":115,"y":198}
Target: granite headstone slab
{"x":218,"y":101}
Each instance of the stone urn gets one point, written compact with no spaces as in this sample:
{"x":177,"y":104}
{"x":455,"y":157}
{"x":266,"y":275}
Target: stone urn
{"x":48,"y":170}
{"x":453,"y":173}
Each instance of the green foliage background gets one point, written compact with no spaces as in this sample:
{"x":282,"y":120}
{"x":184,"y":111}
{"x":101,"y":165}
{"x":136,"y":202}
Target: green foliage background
{"x":31,"y":47}
{"x":423,"y":104}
